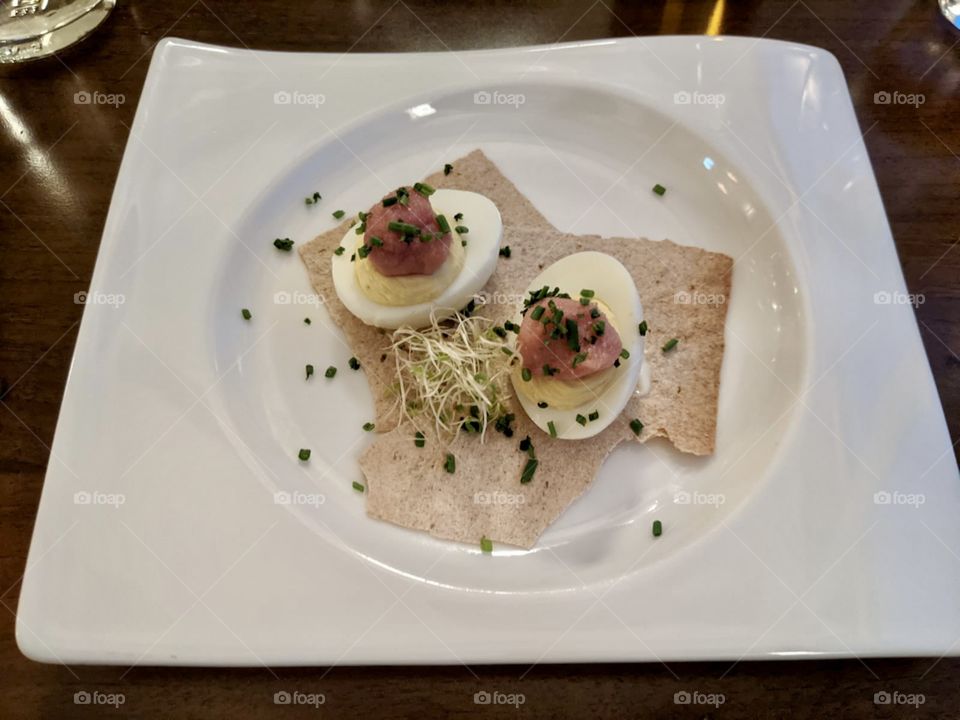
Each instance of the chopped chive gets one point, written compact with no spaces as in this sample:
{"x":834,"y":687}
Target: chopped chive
{"x":578,"y":358}
{"x":659,"y":189}
{"x":246,"y":314}
{"x":573,"y":335}
{"x":505,"y":251}
{"x":443,"y":224}
{"x":636,"y":426}
{"x":358,"y":487}
{"x":424,"y":189}
{"x":506,"y":351}
{"x":403,"y":196}
{"x":548,"y":371}
{"x":526,"y":445}
{"x":353,"y":363}
{"x":486,"y":545}
{"x":403,"y":228}
{"x":419,"y":440}
{"x":447,"y":169}
{"x":309,"y":372}
{"x":450,"y":464}
{"x":463,"y":243}
{"x":584,"y":301}
{"x":304,"y":454}
{"x":587,"y":293}
{"x":616,"y":363}
{"x":462,"y":229}
{"x":594,"y":312}
{"x":670,"y":345}
{"x":625,"y":353}
{"x":657,"y":528}
{"x":499,"y":331}
{"x":537,"y":312}
{"x":595,"y":415}
{"x":285,"y":244}
{"x":368,"y":426}
{"x":581,"y":419}
{"x":307,"y":321}
{"x":363,"y":251}
{"x":552,"y":428}
{"x":339,"y":251}
{"x":511,"y":326}
{"x":338,"y":214}
{"x":458,"y":217}
{"x":361,"y":228}
{"x":542,"y":404}
{"x":388,"y":201}
{"x":376,"y":242}
{"x":363,"y":216}
{"x":642,"y":327}
{"x":528,"y":470}
{"x":330,"y":372}
{"x":353,"y":257}
{"x":599,"y":327}
{"x":526,"y":374}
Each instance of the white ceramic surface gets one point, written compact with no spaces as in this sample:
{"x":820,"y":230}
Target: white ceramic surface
{"x":823,"y":525}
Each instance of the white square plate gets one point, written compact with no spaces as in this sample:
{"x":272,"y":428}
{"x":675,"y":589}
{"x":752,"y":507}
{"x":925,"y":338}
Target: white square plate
{"x":825,"y":524}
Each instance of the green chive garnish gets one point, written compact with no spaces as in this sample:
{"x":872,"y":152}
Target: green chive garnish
{"x":511,"y":326}
{"x":593,"y":416}
{"x":358,"y":487}
{"x":526,"y":374}
{"x":624,"y":353}
{"x":587,"y":293}
{"x":353,"y":363}
{"x":642,"y":327}
{"x":339,"y":251}
{"x":368,"y":426}
{"x":657,"y":528}
{"x":285,"y":244}
{"x":361,"y":228}
{"x":462,"y":229}
{"x":599,"y":327}
{"x":528,"y":470}
{"x":309,"y":371}
{"x":447,"y":169}
{"x":246,"y":314}
{"x":376,"y":242}
{"x":486,"y":545}
{"x":659,"y":189}
{"x":548,"y":371}
{"x":542,"y":404}
{"x":424,"y":189}
{"x":578,"y":358}
{"x":505,"y":251}
{"x":353,"y":257}
{"x":669,"y":345}
{"x":443,"y":224}
{"x":388,"y":201}
{"x":363,"y":251}
{"x":636,"y":426}
{"x":450,"y":464}
{"x":594,"y":312}
{"x":419,"y":440}
{"x":403,"y":228}
{"x":338,"y":214}
{"x":499,"y":331}
{"x":304,"y":454}
{"x":537,"y":312}
{"x":552,"y":428}
{"x":526,"y":444}
{"x":458,"y":217}
{"x":573,"y":335}
{"x":307,"y":321}
{"x":330,"y":372}
{"x":581,"y":419}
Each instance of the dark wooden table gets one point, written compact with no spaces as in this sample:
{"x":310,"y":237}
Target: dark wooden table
{"x":59,"y":166}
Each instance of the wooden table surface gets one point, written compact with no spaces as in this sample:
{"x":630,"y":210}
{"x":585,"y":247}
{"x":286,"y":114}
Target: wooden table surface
{"x":59,"y":166}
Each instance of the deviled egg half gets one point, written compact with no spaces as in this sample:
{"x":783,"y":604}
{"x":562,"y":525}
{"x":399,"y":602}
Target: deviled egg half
{"x":417,"y":251}
{"x":580,"y":346}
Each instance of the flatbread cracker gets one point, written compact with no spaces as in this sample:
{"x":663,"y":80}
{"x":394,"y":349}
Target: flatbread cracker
{"x":409,"y":486}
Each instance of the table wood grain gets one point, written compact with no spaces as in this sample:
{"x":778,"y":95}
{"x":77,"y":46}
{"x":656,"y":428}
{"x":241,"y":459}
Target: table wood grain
{"x":58,"y":169}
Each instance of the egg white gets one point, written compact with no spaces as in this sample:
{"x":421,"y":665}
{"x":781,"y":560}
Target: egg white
{"x":615,"y":288}
{"x":480,"y":215}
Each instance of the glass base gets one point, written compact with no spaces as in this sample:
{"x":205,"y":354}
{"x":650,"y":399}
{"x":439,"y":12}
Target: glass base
{"x":33,"y":29}
{"x":951,"y":11}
